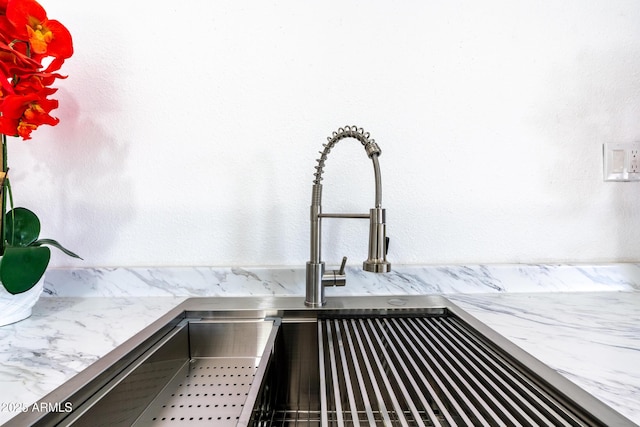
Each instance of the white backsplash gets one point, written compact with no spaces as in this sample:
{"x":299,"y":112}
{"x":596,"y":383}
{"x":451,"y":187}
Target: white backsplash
{"x":213,"y":281}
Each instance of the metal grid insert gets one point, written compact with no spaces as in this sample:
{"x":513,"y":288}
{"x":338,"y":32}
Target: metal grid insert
{"x":421,"y":371}
{"x":427,"y":371}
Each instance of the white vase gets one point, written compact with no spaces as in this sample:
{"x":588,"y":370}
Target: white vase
{"x":14,"y":308}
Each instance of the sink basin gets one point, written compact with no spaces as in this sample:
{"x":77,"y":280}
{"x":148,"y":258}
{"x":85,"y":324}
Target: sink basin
{"x":418,"y":361}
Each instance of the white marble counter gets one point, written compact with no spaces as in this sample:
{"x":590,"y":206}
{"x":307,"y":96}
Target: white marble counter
{"x":63,"y":336}
{"x":591,"y":338}
{"x":559,"y":314}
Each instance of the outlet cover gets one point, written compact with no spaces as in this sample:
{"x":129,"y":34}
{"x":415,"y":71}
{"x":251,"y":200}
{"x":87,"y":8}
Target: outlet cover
{"x":621,"y":161}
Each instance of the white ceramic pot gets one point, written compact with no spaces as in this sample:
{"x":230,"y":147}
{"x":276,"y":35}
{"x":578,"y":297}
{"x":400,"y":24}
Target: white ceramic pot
{"x":14,"y":308}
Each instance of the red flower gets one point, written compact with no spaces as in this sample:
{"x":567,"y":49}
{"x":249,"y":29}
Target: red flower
{"x":27,"y":36}
{"x":47,"y":37}
{"x":22,"y":114}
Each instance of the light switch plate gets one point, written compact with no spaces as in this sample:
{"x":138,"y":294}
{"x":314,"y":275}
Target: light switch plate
{"x":621,"y":161}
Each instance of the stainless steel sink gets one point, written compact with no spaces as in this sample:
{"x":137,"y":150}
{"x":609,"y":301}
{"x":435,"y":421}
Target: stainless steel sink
{"x":418,"y":361}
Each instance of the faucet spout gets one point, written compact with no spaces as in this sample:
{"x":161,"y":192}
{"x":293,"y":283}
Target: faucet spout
{"x":316,"y":276}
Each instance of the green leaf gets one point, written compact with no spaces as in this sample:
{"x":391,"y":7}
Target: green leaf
{"x":21,"y":268}
{"x":23,"y":227}
{"x":55,"y":244}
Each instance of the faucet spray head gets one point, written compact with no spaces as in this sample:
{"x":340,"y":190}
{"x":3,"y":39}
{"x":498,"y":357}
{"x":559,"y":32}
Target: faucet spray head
{"x":378,"y":243}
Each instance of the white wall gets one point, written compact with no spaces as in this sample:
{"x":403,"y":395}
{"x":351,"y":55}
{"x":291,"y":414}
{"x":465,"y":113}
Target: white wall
{"x":190,"y":130}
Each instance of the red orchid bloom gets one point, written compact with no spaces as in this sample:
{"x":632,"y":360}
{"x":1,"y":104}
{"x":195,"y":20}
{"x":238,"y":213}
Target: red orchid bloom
{"x":37,"y":83}
{"x":27,"y":37}
{"x":47,"y":37}
{"x":22,"y":114}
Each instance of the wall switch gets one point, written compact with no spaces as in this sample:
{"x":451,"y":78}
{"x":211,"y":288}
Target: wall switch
{"x":621,"y":161}
{"x":618,"y":161}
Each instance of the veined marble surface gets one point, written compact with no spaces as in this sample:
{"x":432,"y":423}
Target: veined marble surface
{"x":63,"y":337}
{"x":581,"y":320}
{"x":593,"y":339}
{"x":214,"y":281}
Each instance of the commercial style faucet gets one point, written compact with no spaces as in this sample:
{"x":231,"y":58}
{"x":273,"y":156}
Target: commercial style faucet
{"x":317,"y":277}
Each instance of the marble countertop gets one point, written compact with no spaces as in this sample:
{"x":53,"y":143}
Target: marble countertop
{"x":591,"y":338}
{"x":583,"y":321}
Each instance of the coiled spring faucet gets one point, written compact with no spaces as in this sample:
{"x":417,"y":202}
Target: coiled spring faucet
{"x":317,"y":277}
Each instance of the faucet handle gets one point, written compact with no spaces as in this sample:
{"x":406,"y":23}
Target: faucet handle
{"x":335,"y":277}
{"x":342,"y":266}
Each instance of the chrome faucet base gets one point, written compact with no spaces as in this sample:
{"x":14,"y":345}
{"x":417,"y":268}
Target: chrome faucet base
{"x":376,"y":266}
{"x":314,"y":289}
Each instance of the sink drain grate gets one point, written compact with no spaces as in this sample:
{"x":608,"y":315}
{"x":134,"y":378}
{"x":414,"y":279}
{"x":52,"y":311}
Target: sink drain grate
{"x":207,"y":391}
{"x":423,"y":371}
